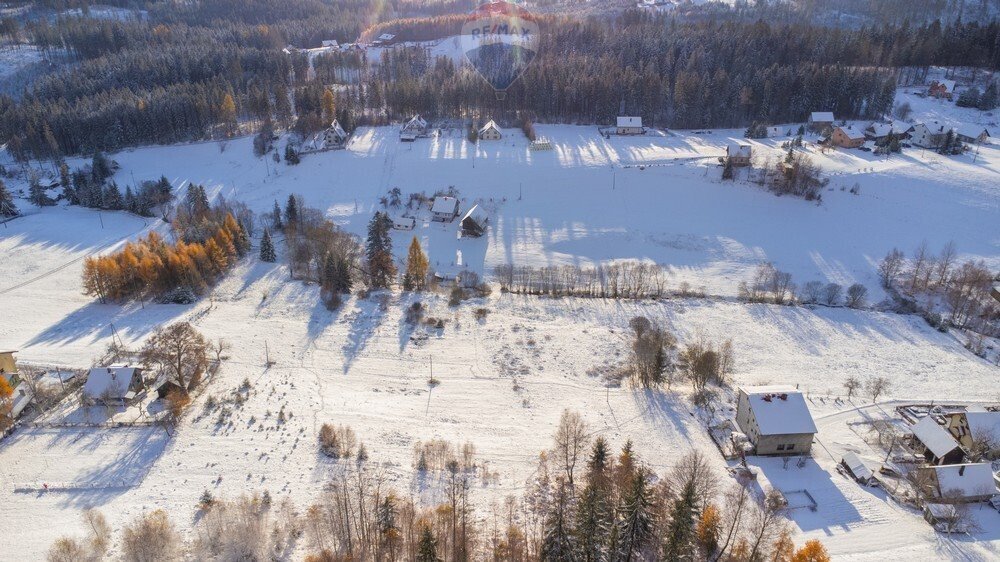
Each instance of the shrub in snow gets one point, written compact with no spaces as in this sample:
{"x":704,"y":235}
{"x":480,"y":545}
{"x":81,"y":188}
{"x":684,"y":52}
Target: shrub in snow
{"x":336,"y":441}
{"x":179,"y":295}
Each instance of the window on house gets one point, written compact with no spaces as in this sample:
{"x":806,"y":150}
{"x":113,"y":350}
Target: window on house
{"x":781,"y":447}
{"x":791,"y":446}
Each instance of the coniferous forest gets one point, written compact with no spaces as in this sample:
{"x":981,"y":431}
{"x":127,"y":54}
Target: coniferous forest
{"x":212,"y":69}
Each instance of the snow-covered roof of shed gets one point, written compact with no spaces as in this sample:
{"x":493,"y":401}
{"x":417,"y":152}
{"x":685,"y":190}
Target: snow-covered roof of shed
{"x":949,"y":85}
{"x":881,"y":129}
{"x":740,"y":150}
{"x":822,"y":117}
{"x":934,"y":437}
{"x":966,"y":479}
{"x":626,"y":121}
{"x":416,"y":122}
{"x":444,"y":204}
{"x":857,"y":466}
{"x":477,"y":214}
{"x":112,"y":381}
{"x":779,"y":410}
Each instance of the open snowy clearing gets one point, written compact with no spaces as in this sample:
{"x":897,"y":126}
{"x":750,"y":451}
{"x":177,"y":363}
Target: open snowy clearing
{"x":504,"y":380}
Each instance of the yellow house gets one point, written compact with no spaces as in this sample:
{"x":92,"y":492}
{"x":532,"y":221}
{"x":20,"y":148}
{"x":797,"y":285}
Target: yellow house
{"x":977,"y":432}
{"x":8,"y":365}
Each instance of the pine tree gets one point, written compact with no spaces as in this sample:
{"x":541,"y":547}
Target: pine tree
{"x":292,"y":212}
{"x":427,"y":547}
{"x":37,"y":194}
{"x":291,"y":156}
{"x":680,"y":532}
{"x":634,"y":529}
{"x":100,"y":168}
{"x":557,"y":542}
{"x":378,"y":250}
{"x":727,"y":169}
{"x":113,"y":198}
{"x":415,"y":278}
{"x":595,"y":516}
{"x":276,"y":217}
{"x":7,"y":207}
{"x":267,"y":248}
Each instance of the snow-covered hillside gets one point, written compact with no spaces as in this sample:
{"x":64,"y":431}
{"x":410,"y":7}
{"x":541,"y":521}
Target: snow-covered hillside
{"x":505,"y":379}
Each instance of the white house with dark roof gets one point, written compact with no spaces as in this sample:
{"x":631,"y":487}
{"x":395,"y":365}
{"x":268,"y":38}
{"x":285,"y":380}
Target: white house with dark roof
{"x":970,"y":133}
{"x":490,"y":131}
{"x":930,"y":134}
{"x":775,"y":419}
{"x":415,"y":127}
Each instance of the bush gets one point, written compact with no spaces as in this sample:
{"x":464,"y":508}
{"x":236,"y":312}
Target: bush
{"x":857,"y":294}
{"x":415,"y":313}
{"x":151,"y":537}
{"x":336,"y":441}
{"x":481,"y":313}
{"x":456,"y":296}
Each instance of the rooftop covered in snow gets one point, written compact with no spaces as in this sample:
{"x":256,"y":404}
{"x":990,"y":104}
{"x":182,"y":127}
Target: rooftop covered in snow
{"x":779,"y":410}
{"x":934,"y":437}
{"x":966,"y":480}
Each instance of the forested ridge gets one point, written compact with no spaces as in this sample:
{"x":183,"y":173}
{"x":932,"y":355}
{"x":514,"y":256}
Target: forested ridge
{"x":209,"y":69}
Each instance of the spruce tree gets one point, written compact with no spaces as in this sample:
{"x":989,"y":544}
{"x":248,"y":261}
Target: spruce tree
{"x":557,"y":542}
{"x":415,"y":277}
{"x":276,"y":217}
{"x":7,"y":207}
{"x":635,"y":524}
{"x":291,"y":156}
{"x":427,"y":547}
{"x":378,"y":250}
{"x":113,"y":200}
{"x":292,"y":212}
{"x":100,"y":168}
{"x":267,"y":248}
{"x":679,"y":542}
{"x":37,"y":194}
{"x":595,"y":516}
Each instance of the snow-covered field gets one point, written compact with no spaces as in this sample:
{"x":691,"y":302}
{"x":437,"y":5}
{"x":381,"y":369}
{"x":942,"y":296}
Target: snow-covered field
{"x":506,"y":379}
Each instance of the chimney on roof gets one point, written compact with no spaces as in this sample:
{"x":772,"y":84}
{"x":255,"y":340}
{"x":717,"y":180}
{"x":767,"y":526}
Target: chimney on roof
{"x":961,"y":470}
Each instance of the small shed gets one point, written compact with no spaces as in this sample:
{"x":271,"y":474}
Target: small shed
{"x":331,"y":43}
{"x":541,"y":143}
{"x":857,"y":469}
{"x":739,"y":154}
{"x":167,"y":387}
{"x":444,"y":209}
{"x":113,"y":384}
{"x":939,"y":447}
{"x":416,"y":126}
{"x":404,"y":223}
{"x":490,"y":131}
{"x":21,"y":398}
{"x":629,"y":125}
{"x":942,"y":89}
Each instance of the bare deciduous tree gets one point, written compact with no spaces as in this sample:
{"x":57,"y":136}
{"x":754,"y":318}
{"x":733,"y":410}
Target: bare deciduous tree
{"x":877,"y":386}
{"x":151,"y":538}
{"x":570,"y":443}
{"x":890,"y":267}
{"x":180,"y":350}
{"x":851,"y":385}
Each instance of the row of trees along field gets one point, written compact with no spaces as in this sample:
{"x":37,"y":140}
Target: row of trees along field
{"x":198,"y":70}
{"x":587,"y":501}
{"x":209,"y":242}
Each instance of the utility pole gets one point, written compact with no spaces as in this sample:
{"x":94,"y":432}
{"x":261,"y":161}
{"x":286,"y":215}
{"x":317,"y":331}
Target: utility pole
{"x":267,"y":355}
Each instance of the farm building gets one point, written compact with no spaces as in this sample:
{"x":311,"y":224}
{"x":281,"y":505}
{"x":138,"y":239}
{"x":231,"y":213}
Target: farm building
{"x":629,"y":126}
{"x":335,"y":135}
{"x":404,"y":223}
{"x":847,"y":137}
{"x":331,"y":43}
{"x":474,"y":222}
{"x":739,"y":154}
{"x":929,"y":135}
{"x":112,"y":384}
{"x":541,"y":143}
{"x":444,"y":209}
{"x":977,"y":432}
{"x":942,"y":89}
{"x":775,"y":419}
{"x":415,"y":127}
{"x":958,"y":483}
{"x":935,"y":443}
{"x":490,"y":131}
{"x":21,"y":398}
{"x":820,"y":120}
{"x":879,"y":132}
{"x":972,"y":133}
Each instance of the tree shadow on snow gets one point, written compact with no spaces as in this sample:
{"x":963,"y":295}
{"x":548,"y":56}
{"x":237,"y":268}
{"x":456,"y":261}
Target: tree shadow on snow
{"x":93,"y":322}
{"x":364,"y":324}
{"x":663,"y":411}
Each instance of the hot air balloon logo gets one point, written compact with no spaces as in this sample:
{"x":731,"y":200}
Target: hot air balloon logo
{"x":500,"y":40}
